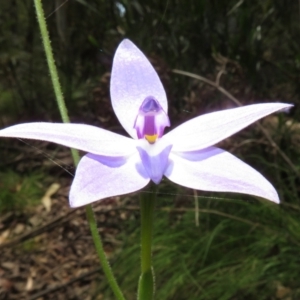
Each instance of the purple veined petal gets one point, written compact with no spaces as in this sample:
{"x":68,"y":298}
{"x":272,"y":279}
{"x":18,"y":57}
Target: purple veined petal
{"x":213,"y":169}
{"x":80,"y":136}
{"x":207,"y":130}
{"x":100,"y":177}
{"x":155,"y":158}
{"x":133,"y":79}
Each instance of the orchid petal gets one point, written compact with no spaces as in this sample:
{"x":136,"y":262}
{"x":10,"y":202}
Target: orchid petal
{"x":133,"y":79}
{"x":214,"y":169}
{"x":80,"y":136}
{"x":154,"y":158}
{"x":209,"y":129}
{"x":100,"y":177}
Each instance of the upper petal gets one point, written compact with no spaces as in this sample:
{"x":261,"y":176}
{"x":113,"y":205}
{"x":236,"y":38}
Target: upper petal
{"x":132,"y":80}
{"x":209,"y":129}
{"x":216,"y":170}
{"x":80,"y":136}
{"x":100,"y":177}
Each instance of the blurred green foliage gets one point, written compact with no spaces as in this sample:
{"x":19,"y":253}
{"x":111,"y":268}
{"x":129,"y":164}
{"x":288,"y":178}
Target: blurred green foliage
{"x":18,"y":192}
{"x":261,"y":37}
{"x":241,"y":250}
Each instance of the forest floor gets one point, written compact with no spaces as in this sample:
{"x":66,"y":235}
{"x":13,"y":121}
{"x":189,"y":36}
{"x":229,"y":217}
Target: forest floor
{"x":48,"y":253}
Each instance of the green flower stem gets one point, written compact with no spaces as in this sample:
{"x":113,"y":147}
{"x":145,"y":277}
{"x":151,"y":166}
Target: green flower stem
{"x":53,"y":71}
{"x":50,"y":61}
{"x":64,"y":115}
{"x":146,"y":286}
{"x":101,"y":254}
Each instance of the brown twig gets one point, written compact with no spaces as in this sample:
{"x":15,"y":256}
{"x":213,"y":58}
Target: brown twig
{"x":238,"y":103}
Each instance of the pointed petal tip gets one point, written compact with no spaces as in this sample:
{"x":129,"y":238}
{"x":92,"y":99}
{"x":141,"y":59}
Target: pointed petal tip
{"x":127,"y":47}
{"x":275,"y":199}
{"x":215,"y":126}
{"x":216,"y":170}
{"x":76,"y":202}
{"x":287,"y":108}
{"x":157,"y":181}
{"x":126,"y":43}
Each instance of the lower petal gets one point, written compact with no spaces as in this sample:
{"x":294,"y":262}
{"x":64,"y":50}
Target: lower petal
{"x":98,"y":177}
{"x":155,"y":165}
{"x":154,"y":157}
{"x":213,"y":169}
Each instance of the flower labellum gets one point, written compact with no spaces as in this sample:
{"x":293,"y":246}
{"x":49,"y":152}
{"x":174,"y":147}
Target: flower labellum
{"x":116,"y":165}
{"x":151,"y":120}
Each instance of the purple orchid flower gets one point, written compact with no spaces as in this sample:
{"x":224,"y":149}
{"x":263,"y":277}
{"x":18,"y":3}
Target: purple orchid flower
{"x":117,"y":165}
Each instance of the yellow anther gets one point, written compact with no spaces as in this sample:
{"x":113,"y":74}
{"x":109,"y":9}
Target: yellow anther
{"x":151,"y":138}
